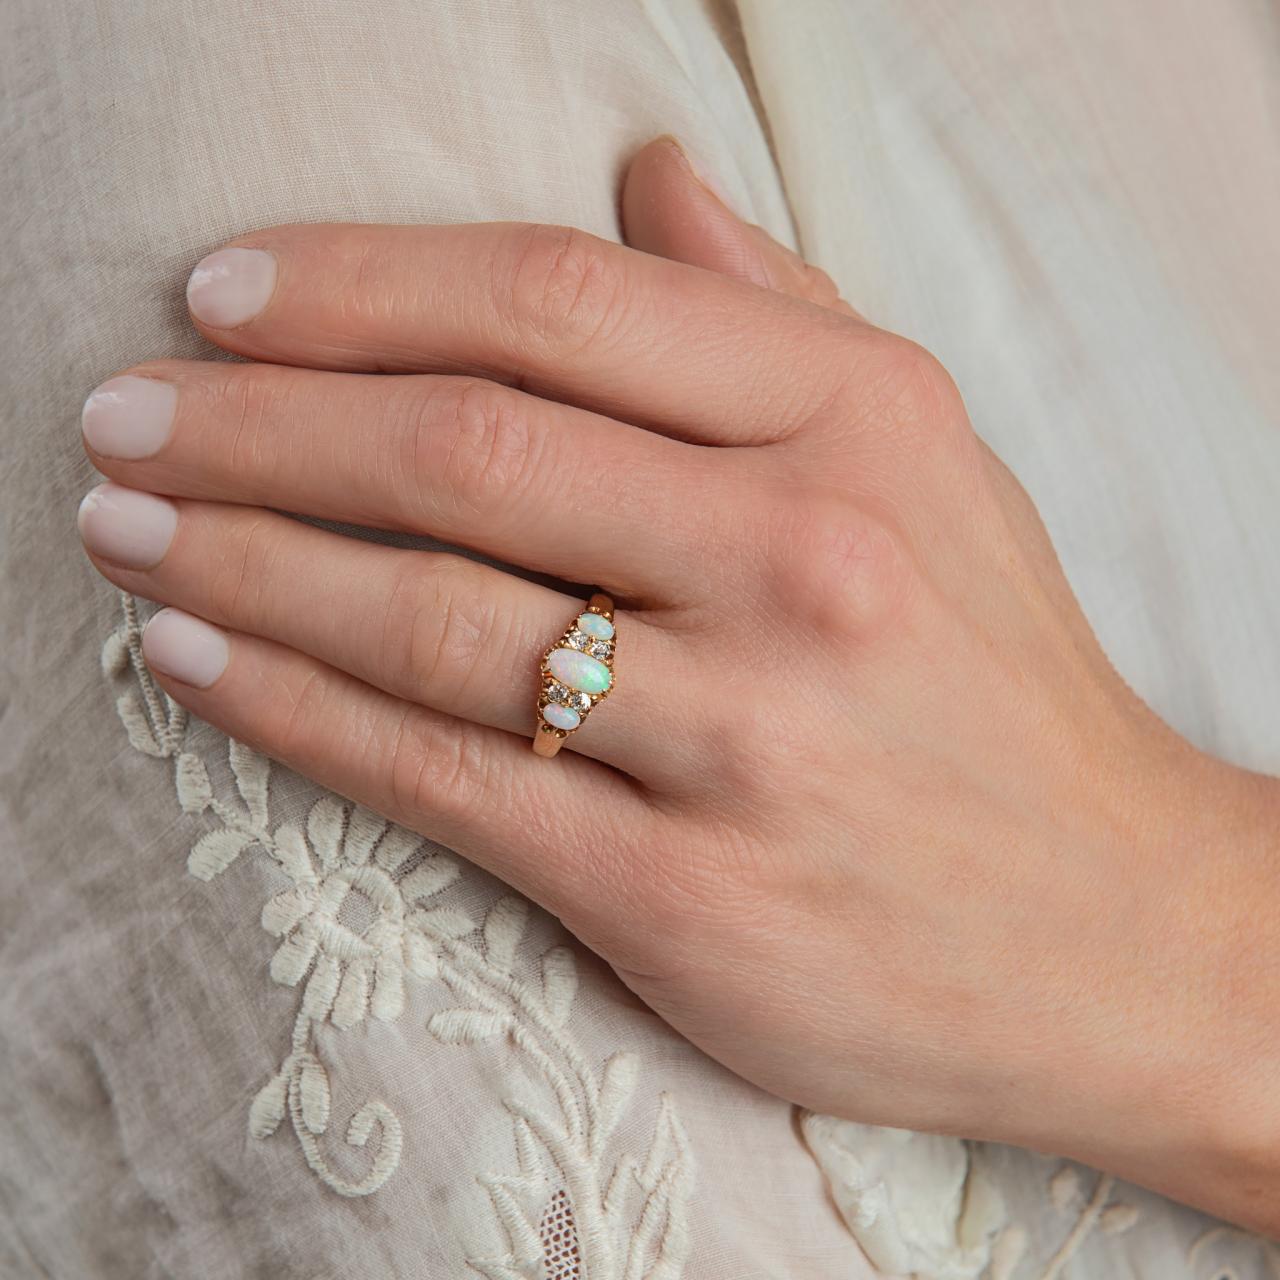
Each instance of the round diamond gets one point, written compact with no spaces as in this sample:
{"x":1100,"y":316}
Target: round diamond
{"x":576,"y":640}
{"x":599,"y":649}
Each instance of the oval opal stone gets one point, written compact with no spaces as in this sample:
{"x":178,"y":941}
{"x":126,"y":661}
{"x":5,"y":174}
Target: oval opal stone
{"x":595,"y":626}
{"x":579,"y":670}
{"x":565,"y":718}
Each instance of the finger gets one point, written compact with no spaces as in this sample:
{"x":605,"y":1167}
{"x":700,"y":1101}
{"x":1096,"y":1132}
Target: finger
{"x":429,"y":627}
{"x":564,"y":314}
{"x":669,"y":210}
{"x":477,"y":464}
{"x":557,"y":833}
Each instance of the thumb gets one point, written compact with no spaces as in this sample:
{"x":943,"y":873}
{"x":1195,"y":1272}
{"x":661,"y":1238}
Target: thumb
{"x":668,"y":210}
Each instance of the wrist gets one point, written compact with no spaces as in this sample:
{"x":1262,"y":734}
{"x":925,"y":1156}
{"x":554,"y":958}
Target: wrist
{"x":1191,"y":1102}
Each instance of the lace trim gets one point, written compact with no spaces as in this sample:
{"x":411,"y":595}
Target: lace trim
{"x":568,"y":1211}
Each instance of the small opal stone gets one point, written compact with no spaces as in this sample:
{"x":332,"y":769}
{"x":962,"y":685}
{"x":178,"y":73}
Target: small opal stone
{"x":559,"y":717}
{"x":595,"y":626}
{"x":579,"y":670}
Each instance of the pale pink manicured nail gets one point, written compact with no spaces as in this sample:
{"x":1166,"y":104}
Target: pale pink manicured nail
{"x":129,"y":417}
{"x":127,"y":527}
{"x":186,"y":648}
{"x":231,"y":286}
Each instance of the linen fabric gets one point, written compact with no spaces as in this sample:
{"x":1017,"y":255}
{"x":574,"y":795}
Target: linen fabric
{"x":1070,"y":205}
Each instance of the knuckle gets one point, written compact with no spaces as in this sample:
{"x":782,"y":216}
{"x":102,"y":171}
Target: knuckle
{"x":906,"y":390}
{"x":243,"y":406}
{"x":818,"y":286}
{"x":238,"y":584}
{"x":297,"y":725}
{"x":841,"y":574}
{"x":435,"y":632}
{"x":563,"y":286}
{"x":436,"y":771}
{"x":488,"y":456}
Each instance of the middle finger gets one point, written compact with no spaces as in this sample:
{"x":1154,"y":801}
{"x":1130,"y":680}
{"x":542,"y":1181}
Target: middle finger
{"x":527,"y":481}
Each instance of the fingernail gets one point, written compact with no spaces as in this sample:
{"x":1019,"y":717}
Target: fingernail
{"x":185,"y":648}
{"x":129,"y":528}
{"x":129,"y":417}
{"x":231,"y":286}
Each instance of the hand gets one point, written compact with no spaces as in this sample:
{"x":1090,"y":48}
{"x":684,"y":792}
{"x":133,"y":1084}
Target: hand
{"x":870,"y":818}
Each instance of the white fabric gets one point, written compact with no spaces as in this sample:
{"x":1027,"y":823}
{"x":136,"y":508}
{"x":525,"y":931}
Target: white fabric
{"x":1071,"y":205}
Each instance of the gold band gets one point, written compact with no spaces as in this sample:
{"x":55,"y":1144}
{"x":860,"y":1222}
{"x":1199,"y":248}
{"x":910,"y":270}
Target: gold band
{"x":576,"y":675}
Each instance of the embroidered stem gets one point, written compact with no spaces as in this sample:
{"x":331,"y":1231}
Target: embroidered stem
{"x":1084,"y":1225}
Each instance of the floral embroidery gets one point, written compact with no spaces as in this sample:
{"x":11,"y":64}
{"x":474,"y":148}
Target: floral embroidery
{"x":362,"y":913}
{"x":1097,"y":1211}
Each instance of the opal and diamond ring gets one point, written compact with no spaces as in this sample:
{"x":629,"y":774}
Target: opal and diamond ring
{"x":577,"y":673}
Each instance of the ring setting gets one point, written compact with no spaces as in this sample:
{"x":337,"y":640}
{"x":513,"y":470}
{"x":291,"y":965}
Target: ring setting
{"x":577,"y":675}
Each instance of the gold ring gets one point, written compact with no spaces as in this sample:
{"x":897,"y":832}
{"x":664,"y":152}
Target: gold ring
{"x":577,"y":675}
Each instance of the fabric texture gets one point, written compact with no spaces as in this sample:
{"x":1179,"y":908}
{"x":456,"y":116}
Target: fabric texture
{"x":247,"y":1030}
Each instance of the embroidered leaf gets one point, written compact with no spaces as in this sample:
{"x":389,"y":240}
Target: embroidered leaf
{"x":526,"y":1244}
{"x":353,"y":996}
{"x":313,"y":1095}
{"x":430,"y":878}
{"x":115,"y":655}
{"x":363,"y":831}
{"x":559,"y":982}
{"x":667,"y":1177}
{"x":1118,"y":1218}
{"x":192,"y":781}
{"x":267,"y":1109}
{"x":388,"y":989}
{"x":322,"y":987}
{"x":420,"y":956}
{"x":251,"y":772}
{"x":215,"y":851}
{"x":445,"y":922}
{"x":552,"y":1136}
{"x":174,"y":727}
{"x":1064,"y":1188}
{"x":292,"y":958}
{"x":396,"y":848}
{"x":290,"y":850}
{"x":526,"y":1151}
{"x":669,"y":1140}
{"x":503,"y":928}
{"x":467,"y":1026}
{"x":360,"y":1130}
{"x":137,"y":726}
{"x":285,"y":911}
{"x":1008,"y":1250}
{"x":616,"y":1193}
{"x":324,"y":829}
{"x":616,"y":1088}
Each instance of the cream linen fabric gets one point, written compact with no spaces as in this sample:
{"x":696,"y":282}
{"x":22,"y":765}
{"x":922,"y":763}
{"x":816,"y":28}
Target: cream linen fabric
{"x":1071,"y":205}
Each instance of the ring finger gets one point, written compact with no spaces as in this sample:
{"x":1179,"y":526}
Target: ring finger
{"x":430,"y":627}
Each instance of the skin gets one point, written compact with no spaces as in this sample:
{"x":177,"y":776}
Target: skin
{"x":869,"y":817}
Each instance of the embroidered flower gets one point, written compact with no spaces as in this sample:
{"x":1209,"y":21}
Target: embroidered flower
{"x":357,"y":916}
{"x":352,"y":917}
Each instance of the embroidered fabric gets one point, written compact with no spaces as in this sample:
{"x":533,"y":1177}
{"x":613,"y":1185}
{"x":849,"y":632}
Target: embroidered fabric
{"x":1016,"y":188}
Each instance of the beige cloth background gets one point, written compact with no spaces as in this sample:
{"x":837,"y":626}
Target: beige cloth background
{"x":1072,"y":205}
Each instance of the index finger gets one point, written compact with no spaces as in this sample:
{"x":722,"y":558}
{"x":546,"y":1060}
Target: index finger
{"x":554,"y":310}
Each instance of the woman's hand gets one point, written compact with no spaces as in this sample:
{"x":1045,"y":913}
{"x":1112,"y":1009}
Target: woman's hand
{"x":869,"y":817}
